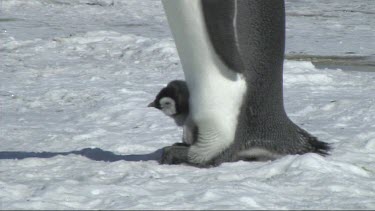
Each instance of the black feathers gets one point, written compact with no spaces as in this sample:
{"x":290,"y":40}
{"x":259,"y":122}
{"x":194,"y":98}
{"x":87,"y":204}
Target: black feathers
{"x":314,"y":144}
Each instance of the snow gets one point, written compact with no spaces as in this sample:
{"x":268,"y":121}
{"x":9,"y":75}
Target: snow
{"x":76,"y":132}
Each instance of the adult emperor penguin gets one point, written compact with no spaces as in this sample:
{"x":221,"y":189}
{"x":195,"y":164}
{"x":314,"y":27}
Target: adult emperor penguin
{"x":173,"y":101}
{"x":232,"y":54}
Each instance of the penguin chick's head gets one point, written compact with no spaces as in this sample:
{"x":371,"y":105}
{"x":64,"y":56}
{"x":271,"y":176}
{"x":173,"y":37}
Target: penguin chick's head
{"x":173,"y":99}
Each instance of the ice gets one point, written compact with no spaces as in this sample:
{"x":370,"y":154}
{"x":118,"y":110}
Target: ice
{"x":76,"y":133}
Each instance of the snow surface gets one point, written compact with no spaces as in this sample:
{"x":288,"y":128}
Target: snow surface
{"x":76,"y":133}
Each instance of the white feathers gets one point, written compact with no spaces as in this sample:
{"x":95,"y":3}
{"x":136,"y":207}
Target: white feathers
{"x":168,"y":106}
{"x":259,"y":154}
{"x":216,"y":92}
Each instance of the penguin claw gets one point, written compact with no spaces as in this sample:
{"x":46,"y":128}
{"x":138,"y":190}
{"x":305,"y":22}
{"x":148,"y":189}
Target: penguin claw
{"x":175,"y":154}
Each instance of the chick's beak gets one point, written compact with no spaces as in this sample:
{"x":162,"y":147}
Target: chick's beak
{"x":152,"y":104}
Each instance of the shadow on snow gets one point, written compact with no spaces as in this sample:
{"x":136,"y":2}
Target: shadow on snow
{"x":96,"y":154}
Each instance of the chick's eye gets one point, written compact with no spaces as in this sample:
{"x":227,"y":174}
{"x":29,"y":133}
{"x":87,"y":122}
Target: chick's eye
{"x":167,"y":103}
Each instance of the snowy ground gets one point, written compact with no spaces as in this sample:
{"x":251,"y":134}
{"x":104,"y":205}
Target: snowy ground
{"x":75,"y":132}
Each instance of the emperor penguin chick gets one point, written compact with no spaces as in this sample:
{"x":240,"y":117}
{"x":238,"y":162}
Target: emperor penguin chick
{"x":173,"y":101}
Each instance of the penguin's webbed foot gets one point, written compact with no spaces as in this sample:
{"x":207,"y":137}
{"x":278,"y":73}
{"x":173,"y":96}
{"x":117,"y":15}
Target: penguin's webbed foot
{"x":175,"y":154}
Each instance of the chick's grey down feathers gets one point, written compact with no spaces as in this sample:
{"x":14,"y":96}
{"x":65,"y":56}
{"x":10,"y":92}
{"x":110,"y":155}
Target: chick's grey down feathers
{"x":177,"y":90}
